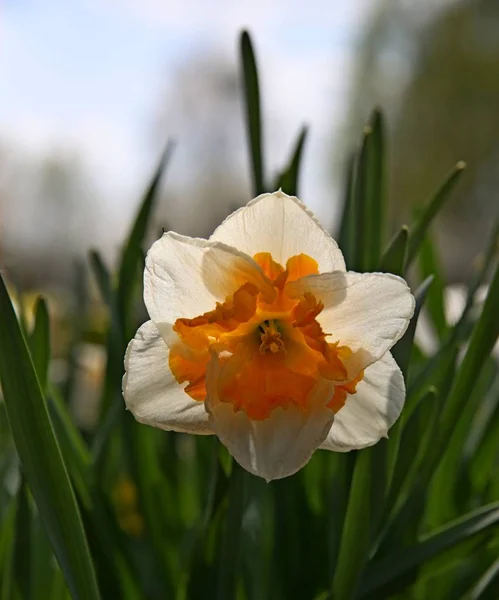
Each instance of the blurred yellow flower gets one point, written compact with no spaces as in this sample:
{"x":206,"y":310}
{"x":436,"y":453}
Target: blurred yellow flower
{"x":260,"y":336}
{"x":126,"y":503}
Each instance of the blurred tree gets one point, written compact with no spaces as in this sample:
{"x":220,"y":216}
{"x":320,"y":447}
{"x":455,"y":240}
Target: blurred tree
{"x":202,"y":112}
{"x":435,"y":69}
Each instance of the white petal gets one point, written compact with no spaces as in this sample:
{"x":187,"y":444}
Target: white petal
{"x":368,"y":415}
{"x":275,"y":447}
{"x":150,"y":390}
{"x":185,"y":277}
{"x":283,"y":226}
{"x":368,"y":312}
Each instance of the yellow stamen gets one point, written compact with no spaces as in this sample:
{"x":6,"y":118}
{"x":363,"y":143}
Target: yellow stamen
{"x":271,"y":338}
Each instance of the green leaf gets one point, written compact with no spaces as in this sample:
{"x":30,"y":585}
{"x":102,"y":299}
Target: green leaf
{"x":296,"y":541}
{"x":257,"y":551}
{"x":403,"y":348}
{"x":43,"y":564}
{"x":110,"y":551}
{"x":485,"y":260}
{"x":480,"y":275}
{"x":376,"y":188}
{"x":438,"y":371}
{"x":40,"y":456}
{"x":480,"y":451}
{"x":339,"y":479}
{"x":417,"y":434}
{"x":130,"y":260}
{"x":380,"y":573}
{"x":446,"y":497}
{"x":419,"y":229}
{"x":73,"y":447}
{"x":39,"y":342}
{"x":393,"y":258}
{"x":346,"y":234}
{"x":7,"y":536}
{"x":369,"y":194}
{"x":102,"y":277}
{"x":115,"y":339}
{"x":482,"y":341}
{"x":253,"y":117}
{"x":365,"y":506}
{"x":484,"y":582}
{"x":77,"y":325}
{"x":120,"y":303}
{"x":112,"y":562}
{"x":200,"y":563}
{"x":59,"y":590}
{"x":402,"y":352}
{"x":288,"y":181}
{"x":454,"y":423}
{"x":429,"y":263}
{"x":22,"y":546}
{"x":454,"y":570}
{"x":230,"y":547}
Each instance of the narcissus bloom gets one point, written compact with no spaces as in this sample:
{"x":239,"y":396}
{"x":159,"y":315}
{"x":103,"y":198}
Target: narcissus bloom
{"x":260,"y":336}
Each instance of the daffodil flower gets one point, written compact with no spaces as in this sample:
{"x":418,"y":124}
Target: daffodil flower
{"x":260,"y":336}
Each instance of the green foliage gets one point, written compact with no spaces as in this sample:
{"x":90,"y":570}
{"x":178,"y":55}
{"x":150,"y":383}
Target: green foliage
{"x":393,"y":259}
{"x":365,"y":207}
{"x":442,"y":109}
{"x":432,"y":209}
{"x":40,"y":456}
{"x":131,"y":512}
{"x":288,"y":180}
{"x":253,"y":117}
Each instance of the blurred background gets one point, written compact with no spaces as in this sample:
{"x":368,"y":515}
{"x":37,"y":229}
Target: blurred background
{"x":93,"y":89}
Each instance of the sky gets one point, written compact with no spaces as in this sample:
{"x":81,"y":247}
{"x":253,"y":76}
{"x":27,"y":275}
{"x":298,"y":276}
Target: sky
{"x":86,"y":77}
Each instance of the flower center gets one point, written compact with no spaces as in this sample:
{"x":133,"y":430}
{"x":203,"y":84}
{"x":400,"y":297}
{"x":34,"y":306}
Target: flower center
{"x":271,"y":338}
{"x":270,"y":354}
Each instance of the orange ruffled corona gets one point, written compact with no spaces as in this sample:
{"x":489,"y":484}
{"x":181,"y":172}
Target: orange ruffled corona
{"x":272,"y":353}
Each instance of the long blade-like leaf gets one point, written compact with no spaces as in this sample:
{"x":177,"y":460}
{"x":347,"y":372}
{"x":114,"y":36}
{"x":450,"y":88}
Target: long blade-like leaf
{"x":480,"y":275}
{"x":230,"y":548}
{"x":102,"y":277}
{"x":430,"y":265}
{"x":22,"y":547}
{"x":346,"y":234}
{"x":484,"y":583}
{"x":419,"y":229}
{"x":130,"y":259}
{"x":253,"y":116}
{"x":403,"y":348}
{"x":7,"y":537}
{"x":382,"y":572}
{"x":73,"y":447}
{"x":288,"y":181}
{"x":393,"y":258}
{"x":40,"y":456}
{"x":376,"y":188}
{"x":483,"y":338}
{"x":416,"y":436}
{"x":365,"y":505}
{"x":369,"y":196}
{"x":39,"y":342}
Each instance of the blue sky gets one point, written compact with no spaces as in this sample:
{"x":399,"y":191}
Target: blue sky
{"x":87,"y":76}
